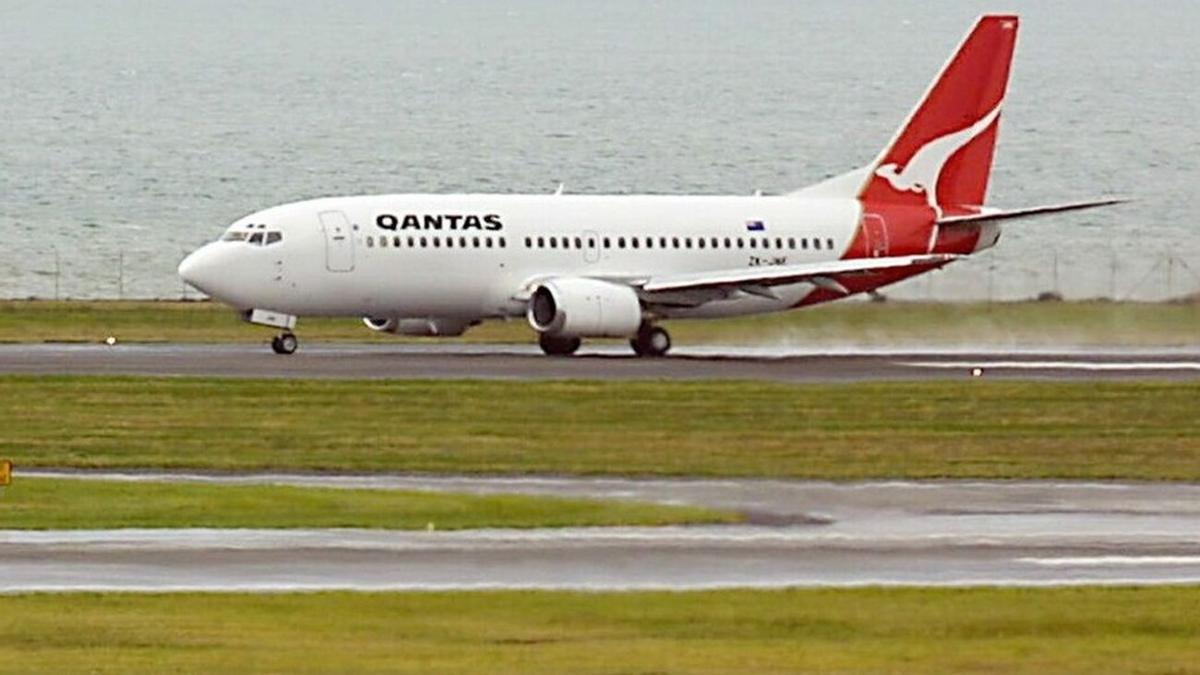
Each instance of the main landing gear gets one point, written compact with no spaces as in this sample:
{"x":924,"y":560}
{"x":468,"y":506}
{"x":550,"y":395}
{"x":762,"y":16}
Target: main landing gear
{"x":558,"y":346}
{"x":651,"y":341}
{"x":284,"y":343}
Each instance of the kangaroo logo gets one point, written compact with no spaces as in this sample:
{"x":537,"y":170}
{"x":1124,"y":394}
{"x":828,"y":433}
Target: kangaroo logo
{"x":924,"y":168}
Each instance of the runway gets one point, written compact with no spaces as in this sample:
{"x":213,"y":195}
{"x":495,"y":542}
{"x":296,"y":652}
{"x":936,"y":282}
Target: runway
{"x":799,"y":534}
{"x":605,"y":361}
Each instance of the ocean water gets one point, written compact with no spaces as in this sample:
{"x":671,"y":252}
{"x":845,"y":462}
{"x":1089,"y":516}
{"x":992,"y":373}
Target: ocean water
{"x":132,"y":132}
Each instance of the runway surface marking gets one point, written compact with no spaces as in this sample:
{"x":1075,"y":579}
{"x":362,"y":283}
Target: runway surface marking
{"x":805,"y":533}
{"x":1117,"y":560}
{"x":1058,"y":365}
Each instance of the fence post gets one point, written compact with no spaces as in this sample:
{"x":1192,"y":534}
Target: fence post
{"x":57,"y":272}
{"x":1170,"y":276}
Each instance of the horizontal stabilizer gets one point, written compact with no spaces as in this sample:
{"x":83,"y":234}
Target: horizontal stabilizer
{"x":820,"y":273}
{"x":989,"y":215}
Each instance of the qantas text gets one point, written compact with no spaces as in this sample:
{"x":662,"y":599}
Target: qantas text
{"x":440,"y":221}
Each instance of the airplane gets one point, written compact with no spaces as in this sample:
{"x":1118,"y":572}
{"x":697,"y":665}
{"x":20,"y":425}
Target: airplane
{"x":603,"y":266}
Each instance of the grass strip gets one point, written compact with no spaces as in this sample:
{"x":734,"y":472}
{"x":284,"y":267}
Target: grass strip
{"x":37,"y":503}
{"x":1083,"y":630}
{"x":856,"y":323}
{"x":951,"y":429}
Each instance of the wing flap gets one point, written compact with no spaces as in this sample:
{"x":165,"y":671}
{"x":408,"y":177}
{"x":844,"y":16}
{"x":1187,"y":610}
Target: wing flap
{"x":758,"y":278}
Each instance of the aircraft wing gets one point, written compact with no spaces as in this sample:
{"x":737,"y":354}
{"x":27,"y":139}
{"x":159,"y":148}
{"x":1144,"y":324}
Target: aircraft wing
{"x":988,"y":215}
{"x":758,"y":280}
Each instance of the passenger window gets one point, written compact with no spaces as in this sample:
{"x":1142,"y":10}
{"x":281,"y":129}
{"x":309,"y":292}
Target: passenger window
{"x":741,"y":243}
{"x":778,"y":243}
{"x":396,"y":242}
{"x":687,"y":242}
{"x":528,"y":242}
{"x":462,"y":242}
{"x":633,"y":241}
{"x":607,"y":243}
{"x":449,"y":242}
{"x":766,"y":243}
{"x":541,"y":242}
{"x":273,"y":237}
{"x":816,"y":244}
{"x":675,"y":242}
{"x":578,"y":242}
{"x":753,"y":242}
{"x":829,"y":244}
{"x":437,"y":242}
{"x":424,"y":242}
{"x":258,"y":238}
{"x":566,"y":242}
{"x":804,"y":243}
{"x":700,"y":242}
{"x":662,"y":242}
{"x":411,"y":242}
{"x":383,"y":242}
{"x":502,"y":242}
{"x":553,"y":242}
{"x":792,"y":243}
{"x":475,"y":242}
{"x":591,"y":243}
{"x":728,"y":243}
{"x":488,"y":242}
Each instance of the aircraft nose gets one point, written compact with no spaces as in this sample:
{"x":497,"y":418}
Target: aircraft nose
{"x":199,"y":269}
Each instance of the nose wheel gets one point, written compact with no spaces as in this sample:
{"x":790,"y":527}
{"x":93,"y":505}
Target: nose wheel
{"x":284,"y":343}
{"x":651,"y":341}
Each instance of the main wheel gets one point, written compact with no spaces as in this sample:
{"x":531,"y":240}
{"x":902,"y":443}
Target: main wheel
{"x":651,"y":341}
{"x":285,"y":343}
{"x":558,"y":346}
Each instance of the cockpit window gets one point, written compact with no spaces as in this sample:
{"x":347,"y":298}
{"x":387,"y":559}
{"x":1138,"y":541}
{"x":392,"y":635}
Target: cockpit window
{"x":255,"y":237}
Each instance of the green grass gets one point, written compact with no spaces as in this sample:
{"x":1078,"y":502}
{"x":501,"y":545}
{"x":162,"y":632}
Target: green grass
{"x":967,"y":428}
{"x":36,"y":503}
{"x":904,"y":323}
{"x":1090,"y":631}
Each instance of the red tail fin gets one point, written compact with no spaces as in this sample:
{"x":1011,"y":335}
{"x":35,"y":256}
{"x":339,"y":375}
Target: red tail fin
{"x":942,"y":156}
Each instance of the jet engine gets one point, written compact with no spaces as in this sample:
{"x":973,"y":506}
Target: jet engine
{"x":578,"y":307}
{"x":427,"y":327}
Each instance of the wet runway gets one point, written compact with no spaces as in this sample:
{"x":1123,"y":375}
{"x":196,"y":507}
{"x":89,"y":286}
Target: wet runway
{"x":604,"y":361}
{"x":800,"y":534}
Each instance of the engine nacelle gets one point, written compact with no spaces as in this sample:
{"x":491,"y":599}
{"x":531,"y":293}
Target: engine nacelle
{"x":430,"y":327}
{"x":578,"y":307}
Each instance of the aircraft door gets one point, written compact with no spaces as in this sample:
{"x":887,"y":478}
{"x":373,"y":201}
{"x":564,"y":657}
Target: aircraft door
{"x":339,"y":241}
{"x":875,"y":233}
{"x":591,"y":247}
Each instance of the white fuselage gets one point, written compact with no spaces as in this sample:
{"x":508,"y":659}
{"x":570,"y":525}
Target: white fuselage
{"x":385,"y":256}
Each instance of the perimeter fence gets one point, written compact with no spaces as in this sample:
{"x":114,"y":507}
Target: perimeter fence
{"x":994,"y":275}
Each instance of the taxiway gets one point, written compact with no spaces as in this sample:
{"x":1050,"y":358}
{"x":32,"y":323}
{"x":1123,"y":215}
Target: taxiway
{"x":798,"y":534}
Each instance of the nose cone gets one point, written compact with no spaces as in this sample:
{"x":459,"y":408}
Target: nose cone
{"x":200,"y":269}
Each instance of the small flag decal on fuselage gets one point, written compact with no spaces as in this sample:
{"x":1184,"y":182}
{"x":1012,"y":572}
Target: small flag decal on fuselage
{"x":755,"y":226}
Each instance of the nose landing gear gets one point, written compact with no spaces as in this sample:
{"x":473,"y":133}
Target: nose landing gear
{"x":284,"y":343}
{"x":651,"y":341}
